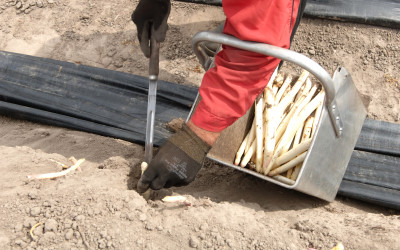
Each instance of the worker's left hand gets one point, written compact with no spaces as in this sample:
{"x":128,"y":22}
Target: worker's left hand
{"x":150,"y":18}
{"x":176,"y":163}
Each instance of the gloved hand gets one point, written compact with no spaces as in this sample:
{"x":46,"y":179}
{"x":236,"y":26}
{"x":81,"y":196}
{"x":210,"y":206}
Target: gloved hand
{"x":150,"y":18}
{"x":176,"y":163}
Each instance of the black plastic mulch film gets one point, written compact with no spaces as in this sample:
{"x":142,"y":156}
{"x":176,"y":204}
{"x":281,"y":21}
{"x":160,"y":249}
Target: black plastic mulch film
{"x":377,"y":12}
{"x":114,"y":104}
{"x":86,"y":98}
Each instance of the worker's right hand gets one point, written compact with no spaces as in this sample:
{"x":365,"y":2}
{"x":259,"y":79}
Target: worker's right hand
{"x":176,"y":163}
{"x":150,"y":18}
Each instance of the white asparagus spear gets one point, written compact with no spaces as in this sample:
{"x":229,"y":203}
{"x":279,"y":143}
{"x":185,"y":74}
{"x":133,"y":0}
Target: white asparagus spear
{"x":284,"y":103}
{"x":308,"y":91}
{"x":298,"y":106}
{"x":240,"y":151}
{"x":295,"y":124}
{"x":244,"y":147}
{"x":58,"y":174}
{"x":288,"y":165}
{"x":259,"y":133}
{"x":295,"y":173}
{"x":306,"y":88}
{"x":278,"y":81}
{"x":307,"y":133}
{"x":288,"y":89}
{"x":74,"y":161}
{"x":275,"y":89}
{"x":280,"y":120}
{"x":283,"y":88}
{"x":146,"y":194}
{"x":302,"y":90}
{"x":273,"y":76}
{"x":316,"y":119}
{"x":296,"y":150}
{"x":289,"y":143}
{"x":299,"y":132}
{"x":303,"y":115}
{"x":270,"y":86}
{"x":271,"y":81}
{"x":270,"y":126}
{"x":307,"y":128}
{"x":297,"y":139}
{"x":287,"y":146}
{"x":283,"y":179}
{"x":175,"y":198}
{"x":248,"y":154}
{"x":252,"y":135}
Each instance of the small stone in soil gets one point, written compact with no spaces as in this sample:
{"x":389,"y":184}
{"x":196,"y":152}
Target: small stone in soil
{"x":69,"y":234}
{"x":35,"y":211}
{"x":33,"y":194}
{"x":50,"y":225}
{"x":204,"y":226}
{"x":202,"y":236}
{"x":193,"y":242}
{"x":142,"y":217}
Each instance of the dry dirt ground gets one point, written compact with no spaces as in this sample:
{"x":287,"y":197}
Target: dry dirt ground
{"x":99,"y":208}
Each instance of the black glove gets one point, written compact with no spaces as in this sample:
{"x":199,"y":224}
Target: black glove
{"x":150,"y":17}
{"x":176,"y":163}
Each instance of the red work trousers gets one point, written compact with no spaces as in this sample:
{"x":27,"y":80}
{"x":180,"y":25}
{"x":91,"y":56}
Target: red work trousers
{"x":229,"y":89}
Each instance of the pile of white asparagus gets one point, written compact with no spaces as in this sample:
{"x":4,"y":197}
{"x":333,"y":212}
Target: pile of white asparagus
{"x":285,"y":120}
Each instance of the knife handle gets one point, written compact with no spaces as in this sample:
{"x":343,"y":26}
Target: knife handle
{"x":154,"y":55}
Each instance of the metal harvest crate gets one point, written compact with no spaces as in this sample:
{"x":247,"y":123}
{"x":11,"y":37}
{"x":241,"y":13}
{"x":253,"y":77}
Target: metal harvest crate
{"x":337,"y":131}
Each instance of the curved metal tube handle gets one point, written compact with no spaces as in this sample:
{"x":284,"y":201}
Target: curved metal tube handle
{"x":281,"y":53}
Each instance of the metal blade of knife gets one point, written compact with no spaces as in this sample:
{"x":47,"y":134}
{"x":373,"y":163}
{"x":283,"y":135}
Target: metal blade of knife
{"x":152,"y":94}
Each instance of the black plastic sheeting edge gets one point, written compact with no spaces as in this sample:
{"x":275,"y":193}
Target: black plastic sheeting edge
{"x":379,"y":137}
{"x":374,"y":169}
{"x":54,"y":119}
{"x":99,"y":98}
{"x":373,"y":178}
{"x":34,"y":89}
{"x":376,"y":12}
{"x":374,"y":194}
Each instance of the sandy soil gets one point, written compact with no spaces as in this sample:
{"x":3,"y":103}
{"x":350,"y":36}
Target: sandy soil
{"x":99,"y":208}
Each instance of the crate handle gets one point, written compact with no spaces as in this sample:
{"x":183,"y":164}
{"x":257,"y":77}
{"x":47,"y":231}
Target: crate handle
{"x":281,"y":53}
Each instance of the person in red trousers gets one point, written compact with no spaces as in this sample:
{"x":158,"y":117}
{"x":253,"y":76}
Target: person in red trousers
{"x":227,"y":90}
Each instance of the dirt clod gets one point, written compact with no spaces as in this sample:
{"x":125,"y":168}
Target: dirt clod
{"x":69,"y":234}
{"x":35,"y":211}
{"x":50,"y":225}
{"x":194,"y":242}
{"x":175,"y":124}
